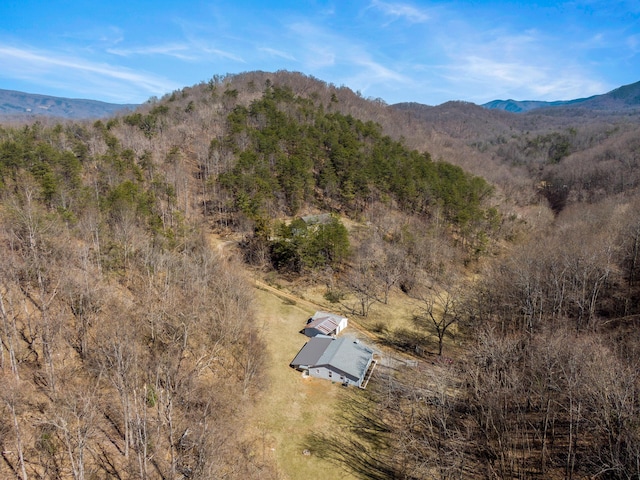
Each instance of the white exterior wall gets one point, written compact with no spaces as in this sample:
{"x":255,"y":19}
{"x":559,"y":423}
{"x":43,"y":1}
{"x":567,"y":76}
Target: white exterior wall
{"x":329,"y":374}
{"x":341,"y":326}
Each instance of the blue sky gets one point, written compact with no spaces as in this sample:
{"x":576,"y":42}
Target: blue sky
{"x":423,"y":51}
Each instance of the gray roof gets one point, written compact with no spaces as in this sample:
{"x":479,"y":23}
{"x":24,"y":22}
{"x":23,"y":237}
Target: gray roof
{"x":319,"y":219}
{"x":312,"y":351}
{"x":343,"y":354}
{"x":321,"y":314}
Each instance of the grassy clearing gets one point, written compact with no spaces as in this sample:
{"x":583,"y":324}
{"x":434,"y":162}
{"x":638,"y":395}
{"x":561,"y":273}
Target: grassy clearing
{"x":292,"y":407}
{"x":392,"y":322}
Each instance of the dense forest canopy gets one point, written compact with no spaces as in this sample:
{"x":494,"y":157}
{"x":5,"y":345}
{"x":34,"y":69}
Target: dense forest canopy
{"x":129,"y":347}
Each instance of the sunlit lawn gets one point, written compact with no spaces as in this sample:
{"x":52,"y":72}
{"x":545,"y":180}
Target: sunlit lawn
{"x":292,"y":407}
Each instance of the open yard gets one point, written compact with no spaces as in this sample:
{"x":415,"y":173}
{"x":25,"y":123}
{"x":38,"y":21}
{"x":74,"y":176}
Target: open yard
{"x":292,"y":406}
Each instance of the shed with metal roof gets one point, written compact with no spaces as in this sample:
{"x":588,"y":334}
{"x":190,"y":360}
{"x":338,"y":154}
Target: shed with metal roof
{"x":324,"y":323}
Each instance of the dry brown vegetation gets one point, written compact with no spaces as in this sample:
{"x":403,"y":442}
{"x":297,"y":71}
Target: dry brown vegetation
{"x":133,"y":348}
{"x":123,"y":376}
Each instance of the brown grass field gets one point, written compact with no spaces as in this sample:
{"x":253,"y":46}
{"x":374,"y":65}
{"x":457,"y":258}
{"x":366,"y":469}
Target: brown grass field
{"x":292,"y":406}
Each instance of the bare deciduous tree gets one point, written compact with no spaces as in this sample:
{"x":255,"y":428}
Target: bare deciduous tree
{"x":74,"y":417}
{"x":441,"y":311}
{"x":364,"y":286}
{"x":13,"y":399}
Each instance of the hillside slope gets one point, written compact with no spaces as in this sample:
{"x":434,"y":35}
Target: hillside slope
{"x":23,"y":104}
{"x":497,"y":251}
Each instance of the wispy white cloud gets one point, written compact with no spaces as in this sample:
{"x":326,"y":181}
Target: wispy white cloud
{"x":505,"y":62}
{"x":401,"y":10}
{"x":102,"y":36}
{"x":345,"y":60}
{"x":377,"y":71}
{"x":170,"y":50}
{"x":224,"y":54}
{"x":633,"y":42}
{"x":277,"y":53}
{"x":321,"y":56}
{"x":47,"y":67}
{"x":368,"y":75}
{"x":372,"y":78}
{"x":316,"y":46}
{"x":484,"y":78}
{"x":113,"y":35}
{"x":195,"y":50}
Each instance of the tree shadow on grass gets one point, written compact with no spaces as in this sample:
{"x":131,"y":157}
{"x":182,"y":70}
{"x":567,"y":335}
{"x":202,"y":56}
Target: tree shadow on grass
{"x":408,"y":341}
{"x":359,"y":439}
{"x":352,"y":455}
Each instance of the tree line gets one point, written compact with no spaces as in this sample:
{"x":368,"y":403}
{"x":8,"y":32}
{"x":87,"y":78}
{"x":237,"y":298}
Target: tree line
{"x":546,"y":383}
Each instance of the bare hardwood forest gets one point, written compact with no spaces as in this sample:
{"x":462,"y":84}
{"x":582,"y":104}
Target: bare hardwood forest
{"x":129,"y":346}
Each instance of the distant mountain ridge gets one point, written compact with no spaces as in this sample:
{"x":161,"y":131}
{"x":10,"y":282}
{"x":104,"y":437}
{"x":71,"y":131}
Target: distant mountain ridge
{"x":623,"y":98}
{"x":14,"y":103}
{"x":520,"y":106}
{"x":21,"y":104}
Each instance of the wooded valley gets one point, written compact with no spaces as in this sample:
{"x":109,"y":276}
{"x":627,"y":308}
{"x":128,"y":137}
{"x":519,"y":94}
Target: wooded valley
{"x":130,"y":346}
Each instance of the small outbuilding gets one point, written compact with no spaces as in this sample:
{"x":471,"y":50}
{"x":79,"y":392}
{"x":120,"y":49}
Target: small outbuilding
{"x":343,"y":360}
{"x":320,"y":219}
{"x":323,"y":323}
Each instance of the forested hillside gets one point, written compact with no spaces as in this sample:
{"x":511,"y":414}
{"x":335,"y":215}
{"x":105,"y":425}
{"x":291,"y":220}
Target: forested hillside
{"x":130,"y":347}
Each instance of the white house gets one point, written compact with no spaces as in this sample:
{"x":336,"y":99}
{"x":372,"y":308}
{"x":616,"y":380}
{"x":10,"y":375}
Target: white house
{"x":343,"y":360}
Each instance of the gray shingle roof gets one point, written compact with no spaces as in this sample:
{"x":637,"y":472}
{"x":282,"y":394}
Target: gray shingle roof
{"x":312,"y":351}
{"x":348,"y":356}
{"x":343,"y":354}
